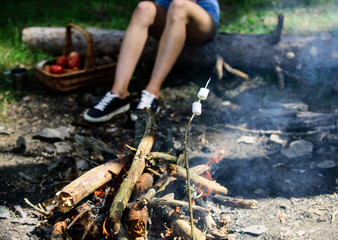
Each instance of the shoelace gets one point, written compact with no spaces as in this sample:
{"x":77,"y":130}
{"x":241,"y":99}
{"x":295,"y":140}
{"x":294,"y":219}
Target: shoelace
{"x":146,"y":100}
{"x":105,"y":101}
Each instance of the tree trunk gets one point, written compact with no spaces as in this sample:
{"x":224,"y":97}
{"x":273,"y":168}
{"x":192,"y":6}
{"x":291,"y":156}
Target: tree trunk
{"x":243,"y":51}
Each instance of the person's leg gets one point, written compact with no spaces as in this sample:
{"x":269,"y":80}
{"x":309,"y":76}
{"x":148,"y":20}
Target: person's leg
{"x":146,"y":14}
{"x":117,"y":101}
{"x":186,"y":21}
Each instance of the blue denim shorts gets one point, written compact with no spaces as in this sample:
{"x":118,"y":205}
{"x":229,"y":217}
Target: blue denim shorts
{"x":211,"y":6}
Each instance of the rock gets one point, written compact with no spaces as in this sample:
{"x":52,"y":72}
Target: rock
{"x":275,"y":138}
{"x":48,"y":149}
{"x":21,"y":144}
{"x":4,"y":212}
{"x":54,"y":134}
{"x":62,"y":147}
{"x":327,"y":164}
{"x":255,"y":229}
{"x":19,"y":211}
{"x":247,"y":139}
{"x":298,"y":148}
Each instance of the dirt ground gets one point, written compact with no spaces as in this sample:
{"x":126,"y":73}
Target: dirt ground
{"x":296,"y":195}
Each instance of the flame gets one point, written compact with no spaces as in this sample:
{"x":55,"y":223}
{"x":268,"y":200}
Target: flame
{"x":105,"y":232}
{"x":168,"y":232}
{"x":219,"y":155}
{"x":100,"y":192}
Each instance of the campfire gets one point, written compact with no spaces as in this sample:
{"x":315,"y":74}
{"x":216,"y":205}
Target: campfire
{"x":142,"y":194}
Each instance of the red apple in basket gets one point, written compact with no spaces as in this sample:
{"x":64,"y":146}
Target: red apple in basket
{"x":74,"y":60}
{"x":62,"y":61}
{"x":56,"y":69}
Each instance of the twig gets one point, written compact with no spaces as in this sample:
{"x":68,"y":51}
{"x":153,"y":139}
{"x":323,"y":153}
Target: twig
{"x":37,"y":208}
{"x":254,"y":131}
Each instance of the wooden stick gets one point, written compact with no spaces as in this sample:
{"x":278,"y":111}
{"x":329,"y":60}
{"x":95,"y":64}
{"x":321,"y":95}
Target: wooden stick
{"x":171,"y":202}
{"x":235,"y":202}
{"x":178,"y":224}
{"x":87,"y":183}
{"x":235,"y":72}
{"x":253,"y":130}
{"x":138,"y":214}
{"x":60,"y":231}
{"x":206,"y":184}
{"x":125,"y":190}
{"x":164,"y":156}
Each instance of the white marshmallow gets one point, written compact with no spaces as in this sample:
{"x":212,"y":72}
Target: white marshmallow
{"x":203,"y":93}
{"x":197,"y":108}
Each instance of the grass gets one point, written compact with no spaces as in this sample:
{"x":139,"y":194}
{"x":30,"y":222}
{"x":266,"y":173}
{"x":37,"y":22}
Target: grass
{"x":237,"y":16}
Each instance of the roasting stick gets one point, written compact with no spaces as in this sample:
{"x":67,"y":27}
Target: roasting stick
{"x":196,"y":108}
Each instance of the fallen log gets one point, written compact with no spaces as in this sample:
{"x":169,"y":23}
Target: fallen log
{"x":205,"y":184}
{"x":87,"y":183}
{"x":136,"y":169}
{"x":291,"y":52}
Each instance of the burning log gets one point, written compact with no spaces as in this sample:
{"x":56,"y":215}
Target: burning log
{"x":235,"y":202}
{"x":125,"y":190}
{"x":87,"y":183}
{"x":205,"y":184}
{"x":138,"y":214}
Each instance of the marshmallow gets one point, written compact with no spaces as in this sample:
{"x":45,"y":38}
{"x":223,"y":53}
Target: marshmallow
{"x":197,"y":108}
{"x":203,"y":93}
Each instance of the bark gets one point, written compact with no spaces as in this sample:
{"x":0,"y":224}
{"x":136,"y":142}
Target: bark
{"x":243,"y":51}
{"x":87,"y":183}
{"x":205,"y":184}
{"x":136,"y":169}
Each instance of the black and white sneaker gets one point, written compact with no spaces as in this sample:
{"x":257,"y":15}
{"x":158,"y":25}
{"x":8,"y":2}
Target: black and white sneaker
{"x":147,"y":101}
{"x":109,"y":106}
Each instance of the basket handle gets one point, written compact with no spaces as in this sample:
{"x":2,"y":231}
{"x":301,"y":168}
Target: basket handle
{"x":90,"y":60}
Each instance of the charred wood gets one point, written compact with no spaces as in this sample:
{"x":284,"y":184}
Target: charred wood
{"x":205,"y":184}
{"x":87,"y":183}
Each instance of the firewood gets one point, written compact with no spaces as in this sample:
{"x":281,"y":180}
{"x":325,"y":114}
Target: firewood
{"x":178,"y":224}
{"x":174,"y":203}
{"x":60,"y":231}
{"x":138,"y":214}
{"x":136,"y":169}
{"x":137,"y":221}
{"x":235,"y":202}
{"x":164,"y":156}
{"x":205,"y":184}
{"x":87,"y":183}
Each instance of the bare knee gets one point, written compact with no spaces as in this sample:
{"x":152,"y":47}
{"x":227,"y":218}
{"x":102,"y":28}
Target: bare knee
{"x":144,"y":13}
{"x":178,"y":11}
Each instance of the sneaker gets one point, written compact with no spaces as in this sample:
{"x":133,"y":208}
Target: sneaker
{"x":109,"y":106}
{"x":147,"y":101}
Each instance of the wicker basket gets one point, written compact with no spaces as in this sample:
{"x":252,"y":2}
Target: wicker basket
{"x":73,"y":80}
